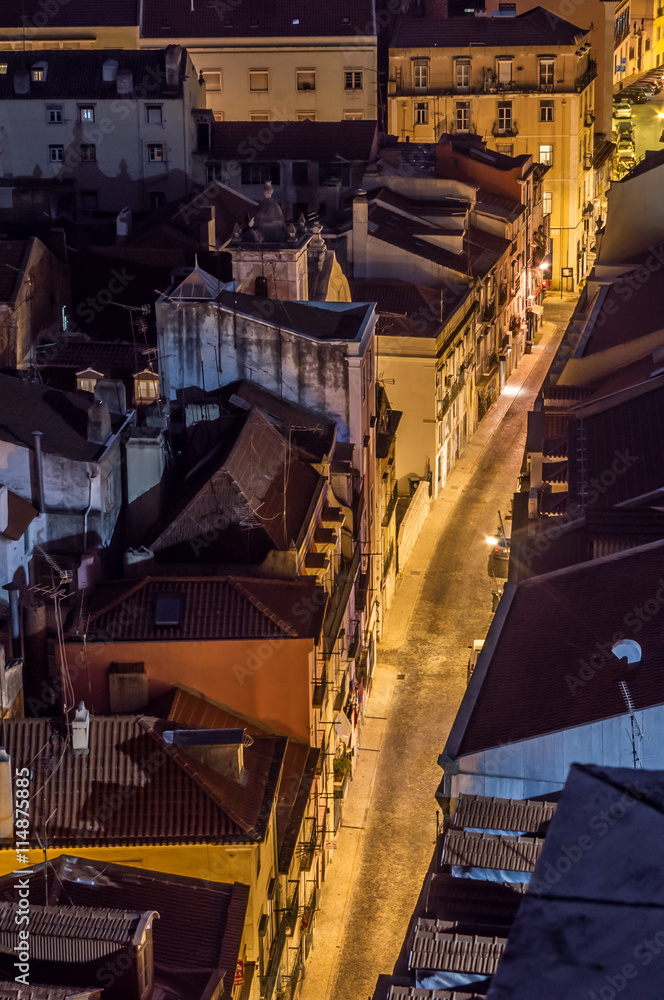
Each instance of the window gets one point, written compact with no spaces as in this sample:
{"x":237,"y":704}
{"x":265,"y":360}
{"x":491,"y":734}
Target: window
{"x":38,"y":73}
{"x":306,"y":116}
{"x":463,"y":74}
{"x":88,"y":153}
{"x":260,"y":173}
{"x":506,"y":148}
{"x":547,"y":202}
{"x":54,"y":112}
{"x":462,"y":116}
{"x":156,"y":199}
{"x":258,"y":80}
{"x":504,"y":116}
{"x":168,"y":609}
{"x":213,"y":172}
{"x":56,"y":154}
{"x":155,"y":153}
{"x":505,"y":72}
{"x":353,"y":79}
{"x":306,"y":79}
{"x":546,"y":111}
{"x":3,"y":68}
{"x":146,"y":383}
{"x":421,"y":112}
{"x":153,"y":114}
{"x":89,"y":204}
{"x":353,"y":116}
{"x":421,"y":74}
{"x":300,"y":172}
{"x":546,"y":73}
{"x":546,"y":154}
{"x":86,"y":114}
{"x":212,"y":81}
{"x":659,"y":35}
{"x":259,"y":116}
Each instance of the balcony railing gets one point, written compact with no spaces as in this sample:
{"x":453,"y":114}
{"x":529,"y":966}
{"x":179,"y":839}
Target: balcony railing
{"x":584,"y":81}
{"x":391,"y":504}
{"x":589,"y":119}
{"x":587,"y":161}
{"x":489,"y":311}
{"x":508,"y":129}
{"x":503,"y":295}
{"x":320,"y":683}
{"x":338,"y":602}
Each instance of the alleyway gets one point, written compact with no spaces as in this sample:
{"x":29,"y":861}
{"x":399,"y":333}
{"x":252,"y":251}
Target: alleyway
{"x":444,"y":602}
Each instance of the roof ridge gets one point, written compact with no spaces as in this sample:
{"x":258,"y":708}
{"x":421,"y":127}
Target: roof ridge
{"x":263,"y":608}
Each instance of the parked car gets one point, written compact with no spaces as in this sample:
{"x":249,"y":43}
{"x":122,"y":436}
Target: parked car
{"x":625,"y":148}
{"x":623,"y":110}
{"x":654,"y":82}
{"x":645,"y":88}
{"x":625,"y":130}
{"x":634,"y":96}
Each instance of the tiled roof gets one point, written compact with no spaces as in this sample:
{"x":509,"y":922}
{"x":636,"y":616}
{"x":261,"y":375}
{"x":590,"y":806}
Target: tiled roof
{"x":62,"y":417}
{"x":404,"y":308}
{"x":77,"y":75}
{"x":200,"y":925}
{"x":553,"y":625}
{"x":479,"y":812}
{"x":482,"y":850}
{"x":317,"y":322}
{"x":74,"y":933}
{"x":210,"y":608}
{"x":259,"y":19}
{"x":473,"y":901}
{"x":13,"y":256}
{"x":322,"y":142}
{"x":436,"y":948}
{"x":11,"y":990}
{"x":72,"y":14}
{"x":412,"y":993}
{"x":535,"y":27}
{"x":102,"y":355}
{"x":134,"y":789}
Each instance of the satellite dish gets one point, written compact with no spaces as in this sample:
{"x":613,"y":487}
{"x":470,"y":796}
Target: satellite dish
{"x":627,"y":648}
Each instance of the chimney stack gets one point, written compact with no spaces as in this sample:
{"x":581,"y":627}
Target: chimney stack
{"x":222,"y":750}
{"x":99,"y":423}
{"x":360,"y":233}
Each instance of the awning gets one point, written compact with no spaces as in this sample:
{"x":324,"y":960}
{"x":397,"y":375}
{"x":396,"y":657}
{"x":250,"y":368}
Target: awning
{"x":343,"y":727}
{"x":536,"y":310}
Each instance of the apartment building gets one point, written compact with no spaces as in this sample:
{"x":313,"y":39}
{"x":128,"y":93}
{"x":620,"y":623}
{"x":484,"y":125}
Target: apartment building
{"x":525,"y":84}
{"x":633,"y":33}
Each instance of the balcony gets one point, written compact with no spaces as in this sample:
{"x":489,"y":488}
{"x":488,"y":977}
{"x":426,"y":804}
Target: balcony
{"x":489,"y":311}
{"x":506,"y":129}
{"x":503,"y":295}
{"x":338,"y":602}
{"x":391,"y":504}
{"x":584,"y":81}
{"x":443,"y":406}
{"x":320,"y":683}
{"x":589,"y":119}
{"x":587,"y":161}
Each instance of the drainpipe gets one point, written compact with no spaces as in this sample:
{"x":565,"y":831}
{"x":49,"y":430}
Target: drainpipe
{"x":40,"y":470}
{"x":13,"y":591}
{"x":91,"y":476}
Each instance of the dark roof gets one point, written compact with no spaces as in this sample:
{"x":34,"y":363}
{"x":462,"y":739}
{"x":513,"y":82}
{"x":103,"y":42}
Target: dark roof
{"x":297,"y":777}
{"x":78,"y":74}
{"x":164,"y":796}
{"x":260,"y":19}
{"x":436,"y":948}
{"x":62,"y":417}
{"x":409,"y":310}
{"x":73,"y":14}
{"x":180,"y":225}
{"x":554,"y":630}
{"x":535,"y":27}
{"x":624,"y":316}
{"x":479,"y":812}
{"x":482,"y":850}
{"x":584,"y":922}
{"x":11,"y":990}
{"x":318,"y":322}
{"x":200,"y":925}
{"x":104,"y":356}
{"x":473,"y":901}
{"x":97,"y":931}
{"x":211,"y":608}
{"x":322,"y":142}
{"x":13,"y":258}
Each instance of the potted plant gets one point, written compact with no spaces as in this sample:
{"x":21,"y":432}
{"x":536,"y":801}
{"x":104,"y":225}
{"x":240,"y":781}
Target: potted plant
{"x":341,"y":767}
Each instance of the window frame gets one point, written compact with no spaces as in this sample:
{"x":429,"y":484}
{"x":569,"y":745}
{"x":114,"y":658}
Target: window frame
{"x":461,"y":64}
{"x":548,"y":106}
{"x":505,"y":117}
{"x":82,"y":108}
{"x":421,"y":75}
{"x":420,"y":113}
{"x":252,"y":173}
{"x":161,"y":158}
{"x":353,"y":74}
{"x":90,"y":154}
{"x":56,"y":148}
{"x":502,"y":78}
{"x":151,"y":108}
{"x":256,"y":73}
{"x":54,"y":109}
{"x":259,"y":116}
{"x":459,"y":108}
{"x":212,"y":72}
{"x":545,"y":146}
{"x":301,"y":85}
{"x":546,"y":69}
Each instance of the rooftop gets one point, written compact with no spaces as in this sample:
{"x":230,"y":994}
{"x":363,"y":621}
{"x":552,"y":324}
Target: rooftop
{"x":322,"y":142}
{"x":550,"y":629}
{"x":75,"y":14}
{"x":135,"y":788}
{"x":260,"y":19}
{"x":535,"y":27}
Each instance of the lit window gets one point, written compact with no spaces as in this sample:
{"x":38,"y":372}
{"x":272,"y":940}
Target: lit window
{"x":421,"y":112}
{"x":353,"y":79}
{"x":505,"y":72}
{"x":153,"y":114}
{"x":212,"y":81}
{"x":546,"y":154}
{"x":546,"y":111}
{"x":258,"y":80}
{"x":88,"y":153}
{"x":3,"y":69}
{"x":296,"y":20}
{"x":55,"y":114}
{"x":306,"y":79}
{"x":546,"y":72}
{"x":547,"y":202}
{"x":146,"y":383}
{"x":56,"y":154}
{"x":421,"y":74}
{"x":38,"y":74}
{"x":155,"y":153}
{"x":86,"y":114}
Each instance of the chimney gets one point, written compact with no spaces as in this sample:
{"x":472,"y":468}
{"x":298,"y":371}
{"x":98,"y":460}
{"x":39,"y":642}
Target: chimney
{"x":99,"y":423}
{"x":6,"y":797}
{"x":360,"y":233}
{"x":22,"y":82}
{"x":109,"y":70}
{"x":173,"y":57}
{"x":80,"y":730}
{"x":222,"y":750}
{"x":208,"y":226}
{"x":40,"y":470}
{"x":124,"y":81}
{"x":112,"y":392}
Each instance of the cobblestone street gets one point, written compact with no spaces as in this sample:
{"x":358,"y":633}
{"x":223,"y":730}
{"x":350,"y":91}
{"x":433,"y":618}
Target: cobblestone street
{"x":443,"y":603}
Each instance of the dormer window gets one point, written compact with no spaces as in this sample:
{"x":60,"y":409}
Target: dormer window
{"x":38,"y":72}
{"x":168,"y":609}
{"x":3,"y":69}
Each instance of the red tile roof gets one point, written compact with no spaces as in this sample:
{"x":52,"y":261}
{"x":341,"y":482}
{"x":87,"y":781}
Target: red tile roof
{"x":211,"y":608}
{"x":322,"y":142}
{"x":258,"y":19}
{"x":134,"y":789}
{"x":547,"y":664}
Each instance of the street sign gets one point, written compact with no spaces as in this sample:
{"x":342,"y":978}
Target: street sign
{"x":568,"y":272}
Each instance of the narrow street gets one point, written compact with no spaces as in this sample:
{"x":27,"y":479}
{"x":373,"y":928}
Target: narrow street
{"x":444,"y":602}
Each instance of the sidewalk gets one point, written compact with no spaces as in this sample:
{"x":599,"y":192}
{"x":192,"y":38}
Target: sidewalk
{"x":349,"y":863}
